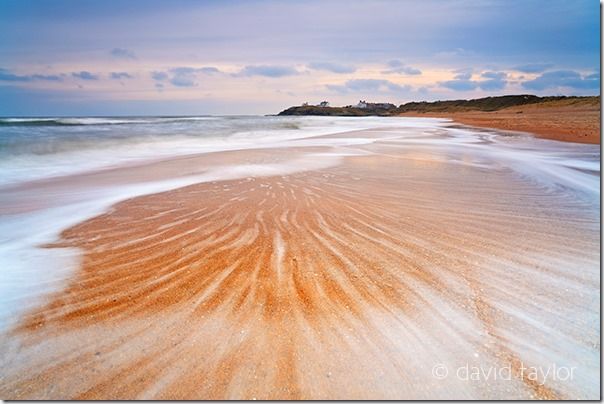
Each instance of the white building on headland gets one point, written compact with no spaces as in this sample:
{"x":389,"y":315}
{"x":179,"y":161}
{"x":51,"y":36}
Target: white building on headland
{"x":384,"y":105}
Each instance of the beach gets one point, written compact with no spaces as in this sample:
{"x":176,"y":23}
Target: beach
{"x":337,"y":258}
{"x":575,"y":121}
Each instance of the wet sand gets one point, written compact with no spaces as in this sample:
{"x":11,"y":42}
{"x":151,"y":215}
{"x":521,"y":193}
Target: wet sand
{"x":564,"y":121}
{"x":351,"y":281}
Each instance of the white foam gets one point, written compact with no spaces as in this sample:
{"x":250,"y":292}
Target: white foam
{"x":147,"y":139}
{"x":28,"y":272}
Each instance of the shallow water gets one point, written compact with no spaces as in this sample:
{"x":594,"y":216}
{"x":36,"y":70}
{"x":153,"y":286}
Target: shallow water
{"x":36,"y":148}
{"x":50,"y":148}
{"x":496,"y":233}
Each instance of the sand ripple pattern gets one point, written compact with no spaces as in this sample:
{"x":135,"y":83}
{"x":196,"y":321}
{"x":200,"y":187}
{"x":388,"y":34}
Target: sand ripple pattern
{"x":350,"y":282}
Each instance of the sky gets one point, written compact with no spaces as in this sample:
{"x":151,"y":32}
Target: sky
{"x":84,"y":57}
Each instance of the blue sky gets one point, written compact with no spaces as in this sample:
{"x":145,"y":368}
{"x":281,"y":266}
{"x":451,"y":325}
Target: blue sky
{"x":244,"y":57}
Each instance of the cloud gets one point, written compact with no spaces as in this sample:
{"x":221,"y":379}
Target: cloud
{"x":208,"y":70}
{"x":84,"y":75}
{"x":563,"y":78}
{"x":491,"y":85}
{"x":268,"y":71}
{"x":411,"y":71}
{"x":183,"y":81}
{"x":431,"y":35}
{"x":494,"y":75}
{"x":367,"y":85}
{"x":397,"y":67}
{"x":121,"y":53}
{"x":459,"y":85}
{"x":183,"y":70}
{"x":47,"y":77}
{"x":496,"y":81}
{"x":6,"y":75}
{"x":395,"y":63}
{"x":159,"y":76}
{"x":332,"y":67}
{"x":533,"y":67}
{"x":120,"y":75}
{"x":463,"y":81}
{"x":194,"y":70}
{"x":183,"y":76}
{"x":463,"y":74}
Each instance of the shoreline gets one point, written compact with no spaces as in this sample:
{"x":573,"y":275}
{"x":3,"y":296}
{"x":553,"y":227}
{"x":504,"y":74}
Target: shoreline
{"x":330,"y":282}
{"x":567,"y":123}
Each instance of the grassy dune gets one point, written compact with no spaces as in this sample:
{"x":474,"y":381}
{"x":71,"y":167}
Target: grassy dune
{"x":574,"y":119}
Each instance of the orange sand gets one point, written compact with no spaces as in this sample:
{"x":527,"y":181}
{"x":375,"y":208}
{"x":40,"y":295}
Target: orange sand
{"x":569,"y":123}
{"x":350,"y":282}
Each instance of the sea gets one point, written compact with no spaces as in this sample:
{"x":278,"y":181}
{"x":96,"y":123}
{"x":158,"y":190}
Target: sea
{"x":37,"y":151}
{"x":43,"y":147}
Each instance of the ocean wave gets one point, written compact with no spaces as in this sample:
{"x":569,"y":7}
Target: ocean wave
{"x":98,"y":121}
{"x":42,"y":147}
